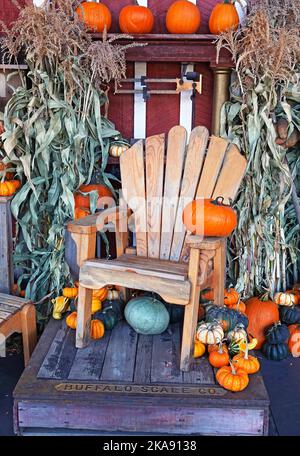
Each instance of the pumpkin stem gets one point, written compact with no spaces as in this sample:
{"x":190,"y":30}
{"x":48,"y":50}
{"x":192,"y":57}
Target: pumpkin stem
{"x":247,"y":350}
{"x":233,"y":371}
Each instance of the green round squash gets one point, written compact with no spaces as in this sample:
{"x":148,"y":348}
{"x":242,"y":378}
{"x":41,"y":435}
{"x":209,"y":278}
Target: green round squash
{"x":147,"y":315}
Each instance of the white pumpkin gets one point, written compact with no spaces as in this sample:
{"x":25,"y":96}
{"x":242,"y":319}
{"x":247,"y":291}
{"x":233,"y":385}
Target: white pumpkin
{"x":210,"y":333}
{"x":285,"y":299}
{"x":238,"y":334}
{"x":116,"y":150}
{"x":113,"y":294}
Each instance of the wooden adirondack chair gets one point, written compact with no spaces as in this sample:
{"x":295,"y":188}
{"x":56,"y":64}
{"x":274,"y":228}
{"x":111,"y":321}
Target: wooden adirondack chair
{"x":166,"y":259}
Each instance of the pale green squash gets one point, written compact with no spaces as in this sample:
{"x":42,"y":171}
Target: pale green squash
{"x":147,"y":315}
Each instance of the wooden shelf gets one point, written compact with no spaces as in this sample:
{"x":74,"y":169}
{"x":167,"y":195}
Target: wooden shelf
{"x":175,"y":48}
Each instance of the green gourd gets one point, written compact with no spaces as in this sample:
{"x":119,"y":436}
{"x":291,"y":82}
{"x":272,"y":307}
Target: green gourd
{"x":108,"y":317}
{"x":147,"y":315}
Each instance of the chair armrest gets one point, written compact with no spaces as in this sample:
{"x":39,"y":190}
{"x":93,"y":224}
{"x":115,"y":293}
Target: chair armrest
{"x":96,"y":222}
{"x":199,"y":242}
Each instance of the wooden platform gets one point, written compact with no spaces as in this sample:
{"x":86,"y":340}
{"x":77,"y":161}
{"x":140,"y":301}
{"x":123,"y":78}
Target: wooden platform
{"x":129,"y":384}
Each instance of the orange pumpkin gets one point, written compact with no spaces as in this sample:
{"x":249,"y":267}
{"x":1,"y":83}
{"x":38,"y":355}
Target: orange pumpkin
{"x":7,"y":188}
{"x":296,"y":294}
{"x":231,"y":296}
{"x":248,"y":363}
{"x":83,"y":201}
{"x":97,"y":329}
{"x":219,"y":358}
{"x":183,"y":17}
{"x":208,"y":217}
{"x":100,"y":294}
{"x":223,"y":17}
{"x":135,"y":19}
{"x":96,"y":16}
{"x":214,"y":347}
{"x":81,"y":212}
{"x":293,"y":328}
{"x":3,"y":167}
{"x":232,"y":379}
{"x":261,"y":314}
{"x":294,"y":342}
{"x":240,"y":306}
{"x":71,"y":320}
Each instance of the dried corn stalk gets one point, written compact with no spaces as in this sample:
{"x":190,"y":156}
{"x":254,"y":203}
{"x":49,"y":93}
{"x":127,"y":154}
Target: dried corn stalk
{"x":265,"y":52}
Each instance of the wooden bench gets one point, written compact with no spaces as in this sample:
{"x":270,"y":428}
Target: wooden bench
{"x":18,"y":315}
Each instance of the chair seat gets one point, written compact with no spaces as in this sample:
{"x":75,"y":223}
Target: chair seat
{"x":167,"y":278}
{"x":10,"y":305}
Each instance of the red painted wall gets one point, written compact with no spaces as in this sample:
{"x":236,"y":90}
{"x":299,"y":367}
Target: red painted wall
{"x":121,"y":106}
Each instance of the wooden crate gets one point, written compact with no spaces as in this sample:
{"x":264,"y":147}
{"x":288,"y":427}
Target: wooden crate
{"x":126,"y":383}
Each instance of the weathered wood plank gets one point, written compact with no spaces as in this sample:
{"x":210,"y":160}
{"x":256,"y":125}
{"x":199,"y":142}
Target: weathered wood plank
{"x":158,"y":265}
{"x":59,"y":359}
{"x":201,"y":372}
{"x":155,"y":150}
{"x":6,"y":246}
{"x":120,"y":354}
{"x":166,"y":355}
{"x":151,"y":418}
{"x":174,"y":166}
{"x":88,"y":361}
{"x":142,"y":370}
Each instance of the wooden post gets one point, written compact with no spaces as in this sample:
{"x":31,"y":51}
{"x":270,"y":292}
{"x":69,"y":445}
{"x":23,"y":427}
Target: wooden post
{"x":221,"y":94}
{"x":28,"y":327}
{"x":219,"y":273}
{"x":6,"y":246}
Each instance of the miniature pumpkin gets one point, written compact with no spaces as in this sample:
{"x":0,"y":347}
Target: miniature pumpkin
{"x":116,"y":150}
{"x":275,"y":352}
{"x":277,"y":333}
{"x":100,"y":294}
{"x":240,"y":306}
{"x":231,"y":296}
{"x":294,"y":342}
{"x":96,"y":305}
{"x":209,"y":217}
{"x":81,"y":212}
{"x":237,"y":334}
{"x":70,"y":293}
{"x":285,"y":299}
{"x":209,"y":333}
{"x":296,"y":294}
{"x":232,"y":379}
{"x":83,"y":201}
{"x":183,"y":17}
{"x":136,"y":19}
{"x":248,"y":363}
{"x":289,"y":315}
{"x":147,"y":315}
{"x":109,"y":318}
{"x":95,"y":15}
{"x":7,"y":188}
{"x":113,"y":294}
{"x":97,"y":329}
{"x":223,"y":17}
{"x":261,"y":314}
{"x":213,"y":347}
{"x":219,"y":358}
{"x":228,"y":318}
{"x":199,"y":349}
{"x":60,"y":305}
{"x":71,"y":320}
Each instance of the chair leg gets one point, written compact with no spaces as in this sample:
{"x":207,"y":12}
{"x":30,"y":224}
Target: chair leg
{"x":219,"y":274}
{"x":28,"y":325}
{"x":191,"y":313}
{"x":84,"y":313}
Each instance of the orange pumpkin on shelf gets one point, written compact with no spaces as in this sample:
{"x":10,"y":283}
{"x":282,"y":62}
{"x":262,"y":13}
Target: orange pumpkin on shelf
{"x":214,"y":347}
{"x":100,"y":294}
{"x":70,"y":292}
{"x":83,"y":201}
{"x":183,"y":17}
{"x":81,"y":212}
{"x":240,"y":306}
{"x":261,"y":314}
{"x":136,"y":19}
{"x":231,"y":296}
{"x":232,"y":379}
{"x":224,"y":16}
{"x":7,"y":188}
{"x":209,"y":217}
{"x":248,"y":363}
{"x":96,"y":16}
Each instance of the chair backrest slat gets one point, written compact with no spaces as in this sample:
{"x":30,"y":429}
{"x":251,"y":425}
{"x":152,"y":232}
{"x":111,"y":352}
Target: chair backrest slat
{"x":231,"y":175}
{"x":213,"y":163}
{"x":192,"y":170}
{"x":155,"y":154}
{"x":174,"y":167}
{"x":133,"y":185}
